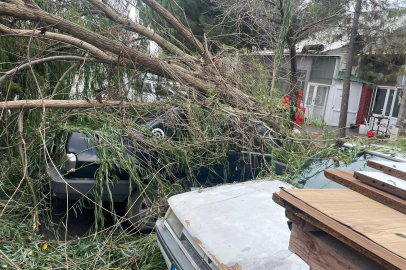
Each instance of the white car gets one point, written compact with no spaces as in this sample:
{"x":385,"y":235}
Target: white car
{"x":228,"y":227}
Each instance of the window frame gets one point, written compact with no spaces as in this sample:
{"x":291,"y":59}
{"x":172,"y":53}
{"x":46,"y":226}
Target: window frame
{"x":388,"y":89}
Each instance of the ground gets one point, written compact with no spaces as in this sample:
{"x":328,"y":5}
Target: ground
{"x":317,"y":132}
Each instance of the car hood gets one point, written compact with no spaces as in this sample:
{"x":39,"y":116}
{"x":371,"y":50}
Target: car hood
{"x":238,"y":226}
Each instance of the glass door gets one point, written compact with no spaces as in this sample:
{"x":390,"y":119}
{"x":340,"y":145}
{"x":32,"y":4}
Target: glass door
{"x":309,"y":100}
{"x":320,"y":98}
{"x":316,"y":100}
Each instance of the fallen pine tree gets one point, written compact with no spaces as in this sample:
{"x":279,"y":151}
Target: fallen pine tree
{"x":80,"y":67}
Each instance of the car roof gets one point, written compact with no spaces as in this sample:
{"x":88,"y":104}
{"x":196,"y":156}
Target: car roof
{"x":239,"y":225}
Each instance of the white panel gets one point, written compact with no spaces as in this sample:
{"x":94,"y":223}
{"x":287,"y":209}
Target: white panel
{"x":337,"y":99}
{"x":388,"y":179}
{"x":396,"y":165}
{"x":350,"y":118}
{"x":335,"y":116}
{"x":353,"y":103}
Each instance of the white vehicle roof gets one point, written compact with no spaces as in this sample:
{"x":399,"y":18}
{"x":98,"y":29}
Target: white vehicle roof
{"x":239,"y":226}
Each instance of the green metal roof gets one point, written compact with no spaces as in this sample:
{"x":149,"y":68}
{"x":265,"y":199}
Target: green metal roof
{"x":353,"y":79}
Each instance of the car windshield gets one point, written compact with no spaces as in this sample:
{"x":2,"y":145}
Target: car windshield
{"x":312,"y":175}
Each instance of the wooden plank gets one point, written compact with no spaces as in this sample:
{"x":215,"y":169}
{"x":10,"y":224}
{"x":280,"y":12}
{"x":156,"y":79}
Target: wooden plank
{"x":397,"y":169}
{"x":383,"y":181}
{"x":346,"y":179}
{"x":322,"y":251}
{"x":340,"y":231}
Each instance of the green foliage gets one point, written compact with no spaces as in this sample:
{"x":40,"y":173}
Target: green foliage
{"x":383,"y":69}
{"x":120,"y":250}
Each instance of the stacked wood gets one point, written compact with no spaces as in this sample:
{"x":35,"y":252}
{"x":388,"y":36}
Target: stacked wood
{"x":362,"y":227}
{"x":322,"y":251}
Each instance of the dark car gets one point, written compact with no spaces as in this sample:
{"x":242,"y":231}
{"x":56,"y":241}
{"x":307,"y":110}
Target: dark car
{"x":75,"y":174}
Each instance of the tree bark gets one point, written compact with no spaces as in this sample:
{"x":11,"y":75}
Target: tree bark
{"x":142,"y":30}
{"x":342,"y":123}
{"x":294,"y":94}
{"x":177,"y":25}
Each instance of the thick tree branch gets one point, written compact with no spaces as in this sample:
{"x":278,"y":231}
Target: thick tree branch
{"x":101,"y":56}
{"x":15,"y":2}
{"x":143,"y":61}
{"x":177,"y":25}
{"x":140,"y":29}
{"x":93,"y":42}
{"x":59,"y":37}
{"x":118,"y":53}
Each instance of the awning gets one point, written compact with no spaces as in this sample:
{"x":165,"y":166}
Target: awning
{"x":353,"y":79}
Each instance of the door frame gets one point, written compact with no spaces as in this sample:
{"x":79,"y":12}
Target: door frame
{"x":311,"y":107}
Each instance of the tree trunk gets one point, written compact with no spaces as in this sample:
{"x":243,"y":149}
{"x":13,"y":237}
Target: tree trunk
{"x":348,"y":68}
{"x":294,"y":94}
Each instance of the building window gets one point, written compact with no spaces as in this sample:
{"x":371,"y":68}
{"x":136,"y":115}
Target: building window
{"x":387,"y":101}
{"x":323,"y":70}
{"x":284,"y":80}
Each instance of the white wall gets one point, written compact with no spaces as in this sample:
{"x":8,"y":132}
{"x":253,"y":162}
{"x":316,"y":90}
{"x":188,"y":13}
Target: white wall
{"x":333,"y":106}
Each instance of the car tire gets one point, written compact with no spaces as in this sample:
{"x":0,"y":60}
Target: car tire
{"x":139,"y":215}
{"x":159,"y":129}
{"x":158,"y":132}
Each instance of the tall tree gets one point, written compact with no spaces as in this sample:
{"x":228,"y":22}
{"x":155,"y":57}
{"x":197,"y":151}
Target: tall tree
{"x":348,"y":70}
{"x":266,"y":19}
